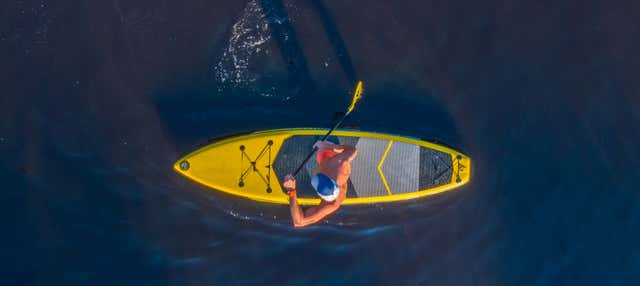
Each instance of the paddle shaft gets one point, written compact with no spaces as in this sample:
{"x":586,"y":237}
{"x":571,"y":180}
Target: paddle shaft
{"x":323,"y":138}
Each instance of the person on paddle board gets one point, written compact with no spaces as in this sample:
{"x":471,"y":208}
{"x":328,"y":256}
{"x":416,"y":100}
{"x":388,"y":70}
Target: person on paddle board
{"x":329,"y":180}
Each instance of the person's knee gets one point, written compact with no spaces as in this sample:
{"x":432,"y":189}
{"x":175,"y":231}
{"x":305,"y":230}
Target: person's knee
{"x":351,"y":153}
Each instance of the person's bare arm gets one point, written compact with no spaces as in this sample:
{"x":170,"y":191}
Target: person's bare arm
{"x":296,"y":211}
{"x":348,"y":153}
{"x":290,"y":187}
{"x":312,"y":215}
{"x":316,"y":213}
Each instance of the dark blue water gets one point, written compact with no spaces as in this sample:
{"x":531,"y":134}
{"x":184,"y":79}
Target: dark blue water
{"x":100,"y":98}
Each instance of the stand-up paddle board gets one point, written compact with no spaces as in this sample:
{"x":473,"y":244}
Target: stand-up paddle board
{"x":388,"y":167}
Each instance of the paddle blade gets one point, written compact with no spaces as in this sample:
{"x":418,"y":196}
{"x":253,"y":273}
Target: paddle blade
{"x":357,"y":94}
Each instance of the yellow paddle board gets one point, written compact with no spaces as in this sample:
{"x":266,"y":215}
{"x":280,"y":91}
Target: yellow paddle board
{"x":388,"y":167}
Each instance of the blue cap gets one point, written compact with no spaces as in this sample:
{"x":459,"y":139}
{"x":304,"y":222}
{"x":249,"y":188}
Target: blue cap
{"x":326,"y":187}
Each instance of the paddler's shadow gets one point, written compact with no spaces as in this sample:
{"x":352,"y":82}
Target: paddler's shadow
{"x":290,"y":49}
{"x":282,"y":30}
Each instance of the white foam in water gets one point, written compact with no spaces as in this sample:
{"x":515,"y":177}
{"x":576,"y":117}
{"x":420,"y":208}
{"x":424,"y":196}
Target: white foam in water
{"x":248,"y":37}
{"x":237,"y":215}
{"x":249,"y":40}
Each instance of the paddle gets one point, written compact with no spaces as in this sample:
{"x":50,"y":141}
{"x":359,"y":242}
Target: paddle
{"x":357,"y":94}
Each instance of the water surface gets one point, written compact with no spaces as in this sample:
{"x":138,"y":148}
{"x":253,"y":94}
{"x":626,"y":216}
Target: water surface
{"x":102,"y":97}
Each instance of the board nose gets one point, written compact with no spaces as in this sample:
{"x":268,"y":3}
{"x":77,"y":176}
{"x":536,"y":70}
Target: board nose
{"x":463,"y":169}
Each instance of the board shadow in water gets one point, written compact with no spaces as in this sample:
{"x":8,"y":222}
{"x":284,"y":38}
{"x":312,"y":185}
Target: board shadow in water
{"x":193,"y":116}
